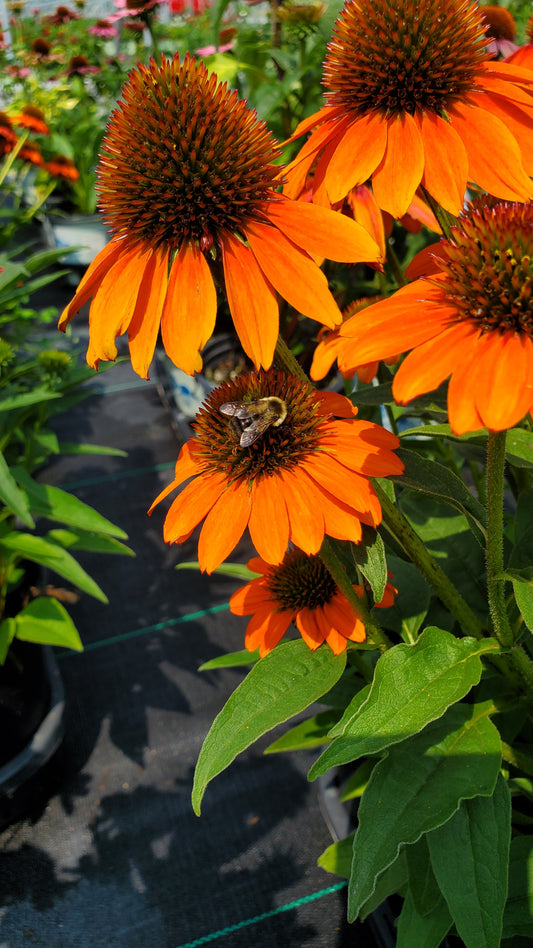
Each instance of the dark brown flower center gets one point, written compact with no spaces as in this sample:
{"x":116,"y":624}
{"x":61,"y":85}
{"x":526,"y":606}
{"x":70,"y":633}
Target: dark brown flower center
{"x":277,"y":446}
{"x":183,"y":158}
{"x":488,"y":266}
{"x":301,"y":582}
{"x":403,"y":56}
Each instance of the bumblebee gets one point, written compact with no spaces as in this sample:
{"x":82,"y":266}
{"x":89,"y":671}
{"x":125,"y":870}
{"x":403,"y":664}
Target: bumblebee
{"x":250,"y":420}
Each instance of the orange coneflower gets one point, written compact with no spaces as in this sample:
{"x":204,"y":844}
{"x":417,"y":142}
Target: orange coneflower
{"x":187,"y":184}
{"x":62,"y":167}
{"x":8,"y":137}
{"x":299,"y":590}
{"x":304,"y":476}
{"x":470,"y":320}
{"x":33,"y":118}
{"x":31,"y":153}
{"x":412,"y":99}
{"x":500,"y":29}
{"x":328,"y":349}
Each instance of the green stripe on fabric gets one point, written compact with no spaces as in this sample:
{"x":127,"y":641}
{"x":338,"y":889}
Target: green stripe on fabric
{"x":118,"y":476}
{"x":222,"y":932}
{"x":135,"y":633}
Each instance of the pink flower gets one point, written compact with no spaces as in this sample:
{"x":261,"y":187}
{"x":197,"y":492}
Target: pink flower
{"x":131,"y":8}
{"x":103,"y":28}
{"x":211,"y":50}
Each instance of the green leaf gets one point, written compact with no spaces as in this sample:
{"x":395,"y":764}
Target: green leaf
{"x":239,"y":570}
{"x":231,"y":660}
{"x":90,"y":542}
{"x":425,"y":892}
{"x":521,"y":558}
{"x":7,"y":634}
{"x":43,"y":551}
{"x":68,"y":447}
{"x":412,"y":602}
{"x":369,"y":557}
{"x":373,"y":395}
{"x":413,"y":685}
{"x":393,"y":880}
{"x":355,"y":786}
{"x":519,"y":447}
{"x":57,"y":504}
{"x":47,"y":622}
{"x":436,"y":480}
{"x":418,"y":786}
{"x":12,"y":496}
{"x":337,"y":858}
{"x":518,"y":915}
{"x":281,"y":685}
{"x":424,"y":931}
{"x":311,"y":733}
{"x":470,"y":859}
{"x":35,"y":397}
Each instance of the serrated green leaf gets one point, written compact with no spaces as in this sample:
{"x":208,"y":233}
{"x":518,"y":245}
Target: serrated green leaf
{"x":311,"y":733}
{"x":281,"y":685}
{"x":57,"y":504}
{"x":413,"y":685}
{"x":231,"y":660}
{"x":337,"y":858}
{"x":424,"y":931}
{"x":470,"y":859}
{"x":518,"y":914}
{"x":418,"y":786}
{"x":43,"y":551}
{"x":369,"y":556}
{"x":46,"y":621}
{"x":423,"y":886}
{"x":434,"y":479}
{"x":11,"y":495}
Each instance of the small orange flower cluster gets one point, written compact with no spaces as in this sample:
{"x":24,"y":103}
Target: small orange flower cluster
{"x":32,"y":119}
{"x":417,"y":117}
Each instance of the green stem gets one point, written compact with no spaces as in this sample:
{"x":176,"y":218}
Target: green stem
{"x":445,"y":219}
{"x":394,"y":264}
{"x":396,"y":523}
{"x":494,"y":551}
{"x":334,"y":566}
{"x":522,"y":761}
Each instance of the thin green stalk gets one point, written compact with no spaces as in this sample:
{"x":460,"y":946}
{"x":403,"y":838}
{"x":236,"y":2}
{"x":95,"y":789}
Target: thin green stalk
{"x":523,"y":761}
{"x":494,"y":550}
{"x":395,"y":521}
{"x":394,"y":264}
{"x":445,"y":219}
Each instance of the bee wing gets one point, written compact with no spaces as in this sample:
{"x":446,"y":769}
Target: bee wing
{"x":253,"y":431}
{"x":234,"y":409}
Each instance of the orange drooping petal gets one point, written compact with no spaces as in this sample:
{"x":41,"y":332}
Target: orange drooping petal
{"x":431,"y":363}
{"x":494,"y":160}
{"x":349,"y":487}
{"x":249,"y":598}
{"x":344,"y":619}
{"x":357,"y":155}
{"x":189,"y":310}
{"x":92,"y":278}
{"x":327,"y":114}
{"x":186,"y":467}
{"x":293,"y":273}
{"x":503,"y":379}
{"x":224,"y":526}
{"x":366,"y":211}
{"x":192,"y":505}
{"x":463,"y":415}
{"x":323,"y":232}
{"x":296,"y":172}
{"x":146,"y":320}
{"x":445,"y":162}
{"x":265,"y":630}
{"x":309,"y":628}
{"x":252,"y":301}
{"x":340,"y":520}
{"x":113,"y":306}
{"x":269,"y":520}
{"x":517,"y":120}
{"x":302,"y":500}
{"x":396,"y":179}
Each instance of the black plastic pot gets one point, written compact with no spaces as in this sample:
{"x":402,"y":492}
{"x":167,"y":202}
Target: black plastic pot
{"x":32,"y":707}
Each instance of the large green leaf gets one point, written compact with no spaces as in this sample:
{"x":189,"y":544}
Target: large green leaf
{"x":46,"y":621}
{"x":11,"y":495}
{"x":25,"y":399}
{"x":57,"y":504}
{"x":521,"y":558}
{"x":90,"y":542}
{"x":429,"y":477}
{"x":425,"y":891}
{"x":422,"y":931}
{"x":470,"y":859}
{"x":518,"y":915}
{"x":43,"y":551}
{"x":231,"y":660}
{"x":418,"y":786}
{"x":413,"y":685}
{"x":281,"y":685}
{"x":337,"y":858}
{"x":519,"y":447}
